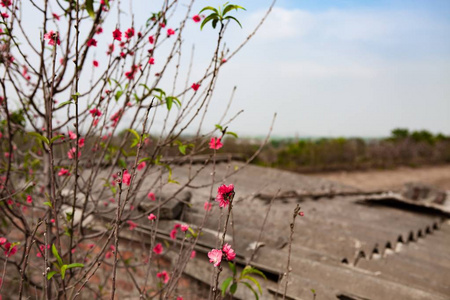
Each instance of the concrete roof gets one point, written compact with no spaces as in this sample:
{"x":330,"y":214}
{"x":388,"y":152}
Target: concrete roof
{"x":343,"y":247}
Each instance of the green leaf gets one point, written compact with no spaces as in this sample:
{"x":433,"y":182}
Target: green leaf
{"x":118,"y":94}
{"x":40,"y":137}
{"x":50,"y":274}
{"x":145,"y":86}
{"x":208,"y":8}
{"x":233,"y":18}
{"x":232,"y":267}
{"x":225,"y":285}
{"x":214,"y":23}
{"x":250,"y":288}
{"x":169,"y":102}
{"x":194,"y":234}
{"x":55,"y":138}
{"x":144,"y":159}
{"x":254,"y":281}
{"x":63,"y":271}
{"x":134,"y":132}
{"x":90,"y":8}
{"x":56,"y":254}
{"x":49,"y":204}
{"x":233,"y":288}
{"x":219,"y":127}
{"x":232,"y":133}
{"x":75,"y":265}
{"x":249,"y":270}
{"x":121,"y":163}
{"x":136,"y":97}
{"x":117,"y":83}
{"x":65,"y":103}
{"x":182,"y":149}
{"x":230,"y":7}
{"x":212,"y":16}
{"x":313,"y":291}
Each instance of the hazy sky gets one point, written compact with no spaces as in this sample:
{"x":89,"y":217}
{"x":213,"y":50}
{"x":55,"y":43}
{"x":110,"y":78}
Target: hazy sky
{"x":327,"y":68}
{"x":345,"y":68}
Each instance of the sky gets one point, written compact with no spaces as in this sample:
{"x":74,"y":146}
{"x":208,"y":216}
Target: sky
{"x":326,"y":68}
{"x":345,"y":68}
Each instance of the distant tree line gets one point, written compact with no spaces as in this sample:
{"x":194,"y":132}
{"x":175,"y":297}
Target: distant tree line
{"x":401,"y":148}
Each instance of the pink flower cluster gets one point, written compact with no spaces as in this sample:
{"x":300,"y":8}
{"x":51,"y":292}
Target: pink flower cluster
{"x":183,"y":227}
{"x":215,"y":255}
{"x":164,"y":276}
{"x":215,"y":143}
{"x":224,"y":194}
{"x":10,"y":250}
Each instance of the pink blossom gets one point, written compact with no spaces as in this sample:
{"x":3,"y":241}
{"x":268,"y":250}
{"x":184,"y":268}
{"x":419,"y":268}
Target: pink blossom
{"x":92,"y":42}
{"x":2,"y":240}
{"x":10,"y":251}
{"x":184,"y":227}
{"x":195,"y":86}
{"x":142,"y":165}
{"x":158,"y":249}
{"x":55,"y":16}
{"x":229,"y":252}
{"x":215,"y":257}
{"x":196,"y":18}
{"x":162,"y":24}
{"x":108,"y":254}
{"x":117,"y":34}
{"x":170,"y":32}
{"x":129,"y":33}
{"x":81,"y":143}
{"x":29,"y":199}
{"x":72,"y":135}
{"x":52,"y":37}
{"x":215,"y":143}
{"x":52,"y":221}
{"x":163,"y":275}
{"x":99,"y":30}
{"x":95,"y":112}
{"x":132,"y":224}
{"x":151,"y":217}
{"x":126,"y":177}
{"x":71,"y":153}
{"x":63,"y":172}
{"x":151,"y":196}
{"x":151,"y":61}
{"x":95,"y":122}
{"x":207,"y":206}
{"x":95,"y":63}
{"x":224,"y":194}
{"x":301,"y":214}
{"x":173,"y":234}
{"x":193,"y":253}
{"x":151,"y":39}
{"x":178,"y":298}
{"x":176,"y":226}
{"x":90,"y":246}
{"x":5,"y":3}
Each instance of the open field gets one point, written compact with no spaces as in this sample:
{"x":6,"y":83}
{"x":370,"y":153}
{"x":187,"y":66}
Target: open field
{"x":438,"y":176}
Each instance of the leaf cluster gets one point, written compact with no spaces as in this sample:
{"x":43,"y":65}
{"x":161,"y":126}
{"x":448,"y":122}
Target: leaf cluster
{"x":219,"y":14}
{"x":244,"y":278}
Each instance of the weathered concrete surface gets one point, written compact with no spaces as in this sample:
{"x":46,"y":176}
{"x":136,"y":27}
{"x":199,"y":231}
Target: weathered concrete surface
{"x":388,"y":252}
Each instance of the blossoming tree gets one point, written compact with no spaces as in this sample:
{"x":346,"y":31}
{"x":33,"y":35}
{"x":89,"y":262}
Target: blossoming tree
{"x":68,"y":88}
